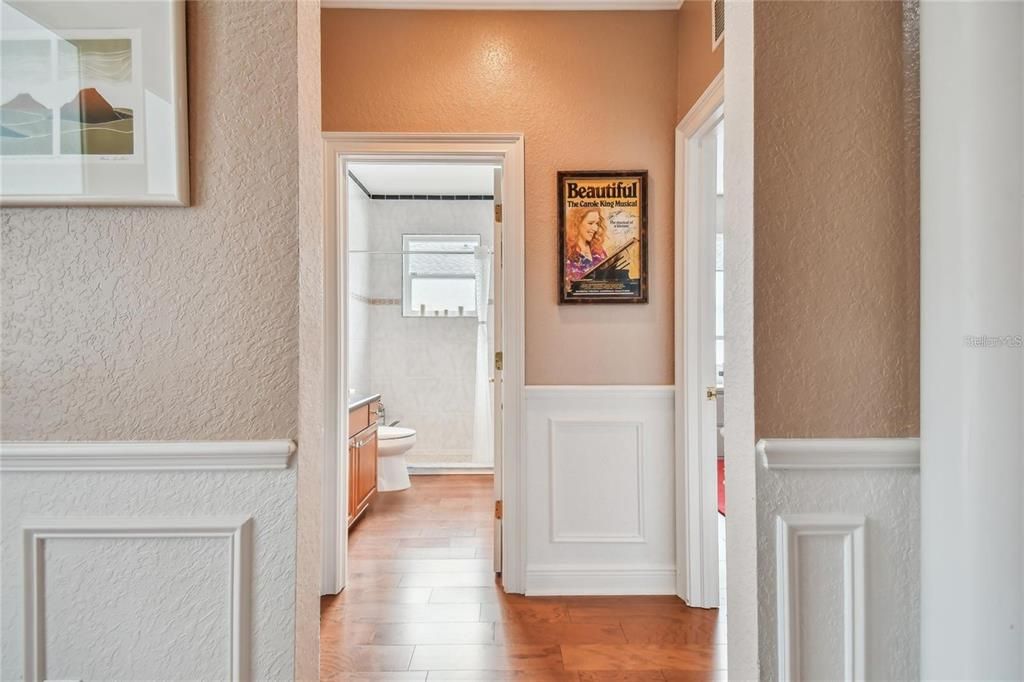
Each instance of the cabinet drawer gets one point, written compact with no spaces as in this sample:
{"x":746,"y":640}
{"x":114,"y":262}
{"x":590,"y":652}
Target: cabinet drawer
{"x":358,"y":419}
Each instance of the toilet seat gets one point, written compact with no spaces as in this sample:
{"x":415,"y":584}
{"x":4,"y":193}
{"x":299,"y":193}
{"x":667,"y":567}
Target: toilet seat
{"x":394,"y":433}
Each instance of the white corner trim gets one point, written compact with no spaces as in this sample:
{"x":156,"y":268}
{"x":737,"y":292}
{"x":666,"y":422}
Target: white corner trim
{"x":235,"y":529}
{"x":145,"y":455}
{"x":554,"y":5}
{"x":840,"y":453}
{"x":850,"y":528}
{"x":591,"y":579}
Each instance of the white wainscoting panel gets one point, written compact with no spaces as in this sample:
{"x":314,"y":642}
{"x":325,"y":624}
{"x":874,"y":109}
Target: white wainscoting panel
{"x":182,"y":573}
{"x":599,"y":478}
{"x":597,"y":459}
{"x":99,"y":570}
{"x":838,"y":559}
{"x":820,"y":564}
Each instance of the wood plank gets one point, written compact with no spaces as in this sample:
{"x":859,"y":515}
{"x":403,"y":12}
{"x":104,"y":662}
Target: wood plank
{"x":524,"y":632}
{"x":503,"y":676}
{"x":486,"y":657}
{"x":364,"y":658}
{"x":641,"y":657}
{"x":434,"y":633}
{"x":407,"y":613}
{"x":447,"y":579}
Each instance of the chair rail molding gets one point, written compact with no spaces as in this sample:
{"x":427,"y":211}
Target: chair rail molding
{"x":145,"y":455}
{"x":840,"y":453}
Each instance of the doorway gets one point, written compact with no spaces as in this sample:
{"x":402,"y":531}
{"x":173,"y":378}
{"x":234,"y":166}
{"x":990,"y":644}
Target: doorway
{"x":448,"y":297}
{"x":700,"y":350}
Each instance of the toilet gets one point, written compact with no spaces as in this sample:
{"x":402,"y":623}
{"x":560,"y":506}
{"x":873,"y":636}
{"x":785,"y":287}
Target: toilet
{"x":392,"y":444}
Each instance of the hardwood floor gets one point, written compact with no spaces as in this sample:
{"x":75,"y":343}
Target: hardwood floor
{"x":422,"y":603}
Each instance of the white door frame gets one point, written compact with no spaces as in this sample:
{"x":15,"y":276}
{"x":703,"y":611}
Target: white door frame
{"x":696,"y":481}
{"x":339,"y":150}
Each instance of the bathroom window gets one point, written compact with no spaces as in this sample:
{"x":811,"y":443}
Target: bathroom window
{"x":439,"y":275}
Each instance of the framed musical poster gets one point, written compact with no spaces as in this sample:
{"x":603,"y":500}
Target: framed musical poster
{"x":602,"y":236}
{"x":92,"y":103}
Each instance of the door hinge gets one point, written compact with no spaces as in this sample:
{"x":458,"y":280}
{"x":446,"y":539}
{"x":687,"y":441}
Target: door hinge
{"x":497,"y":213}
{"x":498,"y":361}
{"x":497,"y":509}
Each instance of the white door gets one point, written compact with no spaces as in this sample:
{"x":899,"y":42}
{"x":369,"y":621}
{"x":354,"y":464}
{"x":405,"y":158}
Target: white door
{"x":698,"y":541}
{"x":495,"y":365}
{"x":708,"y":198}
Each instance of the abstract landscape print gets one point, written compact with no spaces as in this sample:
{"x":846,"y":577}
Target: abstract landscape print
{"x":73,"y":95}
{"x":26,"y":125}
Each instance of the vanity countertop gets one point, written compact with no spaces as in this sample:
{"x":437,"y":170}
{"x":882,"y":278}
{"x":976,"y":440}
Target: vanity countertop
{"x":357,"y":401}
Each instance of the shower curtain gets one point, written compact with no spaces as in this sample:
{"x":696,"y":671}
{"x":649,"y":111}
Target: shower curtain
{"x":483,"y":411}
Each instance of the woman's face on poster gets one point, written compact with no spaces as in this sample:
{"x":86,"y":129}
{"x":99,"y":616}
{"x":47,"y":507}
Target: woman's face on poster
{"x":590,"y":225}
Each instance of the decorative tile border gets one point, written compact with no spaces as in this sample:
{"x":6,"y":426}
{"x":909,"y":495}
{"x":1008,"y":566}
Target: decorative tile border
{"x":420,"y":197}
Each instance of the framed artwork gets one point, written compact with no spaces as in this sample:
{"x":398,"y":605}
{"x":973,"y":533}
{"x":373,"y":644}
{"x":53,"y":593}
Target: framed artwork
{"x":93,"y":104}
{"x":602,"y":236}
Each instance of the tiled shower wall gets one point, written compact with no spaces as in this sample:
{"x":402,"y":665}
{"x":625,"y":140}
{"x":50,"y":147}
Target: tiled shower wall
{"x":424,"y":368}
{"x":359,"y":290}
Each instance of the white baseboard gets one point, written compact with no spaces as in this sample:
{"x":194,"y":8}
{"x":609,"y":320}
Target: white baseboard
{"x":449,"y":469}
{"x":586,"y":579}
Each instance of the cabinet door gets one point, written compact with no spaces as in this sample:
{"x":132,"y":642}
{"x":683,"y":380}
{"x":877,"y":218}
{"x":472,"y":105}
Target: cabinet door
{"x":368,"y":468}
{"x":353,"y":479}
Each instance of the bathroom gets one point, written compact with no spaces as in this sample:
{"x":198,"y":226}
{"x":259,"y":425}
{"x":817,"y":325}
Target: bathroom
{"x":419,"y":332}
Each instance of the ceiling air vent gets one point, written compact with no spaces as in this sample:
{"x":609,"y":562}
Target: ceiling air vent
{"x":717,"y":22}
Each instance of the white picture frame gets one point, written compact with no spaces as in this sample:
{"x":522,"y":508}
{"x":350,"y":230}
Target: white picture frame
{"x":93,"y":104}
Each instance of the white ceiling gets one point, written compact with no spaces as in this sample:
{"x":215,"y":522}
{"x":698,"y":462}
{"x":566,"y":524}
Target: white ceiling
{"x":506,"y":4}
{"x":425,"y":178}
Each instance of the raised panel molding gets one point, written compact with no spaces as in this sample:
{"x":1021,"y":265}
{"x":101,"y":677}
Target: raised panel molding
{"x":145,"y":455}
{"x":849,"y":529}
{"x":840,"y":453}
{"x":236,"y":530}
{"x":634,"y":487}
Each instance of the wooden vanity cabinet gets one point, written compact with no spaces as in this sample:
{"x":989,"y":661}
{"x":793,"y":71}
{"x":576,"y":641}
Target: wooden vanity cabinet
{"x":362,"y":460}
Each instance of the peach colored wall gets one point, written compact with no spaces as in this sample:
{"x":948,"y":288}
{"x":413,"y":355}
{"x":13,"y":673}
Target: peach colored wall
{"x":587,"y":89}
{"x":698,"y":63}
{"x":835,"y":220}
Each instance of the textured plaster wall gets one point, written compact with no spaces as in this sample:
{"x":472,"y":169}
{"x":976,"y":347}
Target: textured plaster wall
{"x":836,"y":238}
{"x":698,"y":62}
{"x":172,"y":323}
{"x":542,"y":74}
{"x":311,"y":355}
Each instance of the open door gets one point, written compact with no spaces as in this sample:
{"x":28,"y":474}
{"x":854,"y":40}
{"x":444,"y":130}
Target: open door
{"x":699,"y":340}
{"x":496,"y":379}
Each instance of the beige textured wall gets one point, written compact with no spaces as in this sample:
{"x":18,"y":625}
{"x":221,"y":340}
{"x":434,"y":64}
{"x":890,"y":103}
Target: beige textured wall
{"x":310,"y":333}
{"x":547,"y":75}
{"x":172,"y":323}
{"x":698,"y":63}
{"x":835,"y":222}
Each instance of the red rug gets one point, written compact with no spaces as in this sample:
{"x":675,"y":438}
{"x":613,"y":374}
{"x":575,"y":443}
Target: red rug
{"x":721,"y":486}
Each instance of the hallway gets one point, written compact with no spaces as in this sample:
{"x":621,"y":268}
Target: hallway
{"x":422,"y":604}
